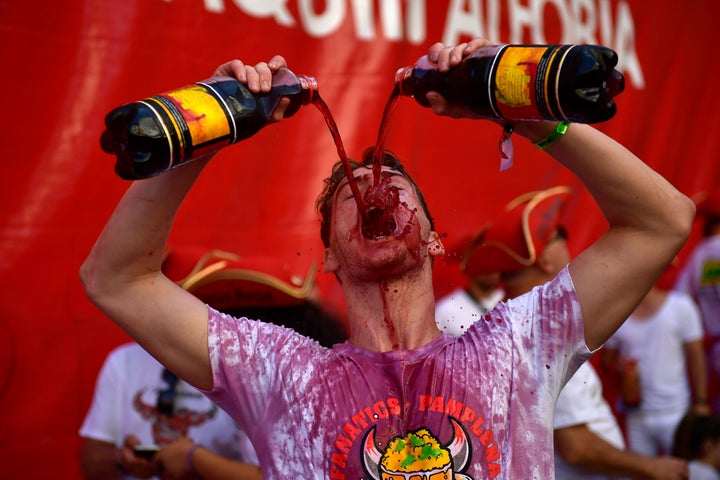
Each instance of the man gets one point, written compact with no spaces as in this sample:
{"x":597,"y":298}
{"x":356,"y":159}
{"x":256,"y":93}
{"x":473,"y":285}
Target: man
{"x":480,"y":406}
{"x":527,"y":245}
{"x":138,"y":403}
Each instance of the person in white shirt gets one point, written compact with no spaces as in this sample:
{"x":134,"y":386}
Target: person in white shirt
{"x":661,"y":346}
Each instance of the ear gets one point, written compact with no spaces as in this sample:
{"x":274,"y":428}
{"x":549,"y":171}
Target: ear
{"x":435,"y":246}
{"x":330,"y":263}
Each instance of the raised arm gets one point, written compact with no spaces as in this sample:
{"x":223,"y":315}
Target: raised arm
{"x":122,"y":274}
{"x":649,"y":220}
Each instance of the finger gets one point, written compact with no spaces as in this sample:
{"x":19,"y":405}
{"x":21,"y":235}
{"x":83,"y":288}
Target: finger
{"x":252,"y":79}
{"x":264,"y":76}
{"x":277,"y":62}
{"x":476,"y":43}
{"x":456,"y":54}
{"x":434,"y":51}
{"x":437,"y":103}
{"x":440,"y":106}
{"x":279,"y":111}
{"x":234,"y":68}
{"x":443,"y":59}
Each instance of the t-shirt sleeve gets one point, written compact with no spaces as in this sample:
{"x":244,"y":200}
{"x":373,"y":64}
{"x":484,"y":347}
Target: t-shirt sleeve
{"x":692,"y":325}
{"x":101,"y":421}
{"x":551,"y":327}
{"x":682,"y":283}
{"x":571,"y":409}
{"x":249,"y":360}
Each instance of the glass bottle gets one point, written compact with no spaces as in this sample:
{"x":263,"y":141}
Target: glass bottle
{"x":573,"y":83}
{"x":161,"y":132}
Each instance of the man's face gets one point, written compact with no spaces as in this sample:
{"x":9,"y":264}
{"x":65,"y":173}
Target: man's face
{"x":352,"y":254}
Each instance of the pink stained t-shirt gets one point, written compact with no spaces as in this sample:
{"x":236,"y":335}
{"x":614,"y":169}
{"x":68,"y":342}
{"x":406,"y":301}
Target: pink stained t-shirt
{"x":479,"y":406}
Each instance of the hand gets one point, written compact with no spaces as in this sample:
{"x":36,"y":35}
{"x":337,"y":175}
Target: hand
{"x":701,"y":408}
{"x":172,"y":459}
{"x":446,"y":57}
{"x":258,"y":78}
{"x":669,"y":468}
{"x":132,"y":464}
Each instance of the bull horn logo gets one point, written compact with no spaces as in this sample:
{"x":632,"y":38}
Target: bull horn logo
{"x":417,"y":452}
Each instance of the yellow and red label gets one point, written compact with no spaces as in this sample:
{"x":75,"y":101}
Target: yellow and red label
{"x":515,"y":77}
{"x":204,"y":115}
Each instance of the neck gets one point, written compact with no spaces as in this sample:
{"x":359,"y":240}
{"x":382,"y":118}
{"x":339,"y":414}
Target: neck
{"x":480,"y":293}
{"x":650,"y":305}
{"x":393,"y":314}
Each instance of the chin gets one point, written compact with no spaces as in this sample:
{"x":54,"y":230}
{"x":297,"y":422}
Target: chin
{"x":393,"y":260}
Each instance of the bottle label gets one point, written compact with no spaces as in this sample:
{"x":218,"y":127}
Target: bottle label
{"x":526,"y":79}
{"x":515,"y":86}
{"x":197,"y":118}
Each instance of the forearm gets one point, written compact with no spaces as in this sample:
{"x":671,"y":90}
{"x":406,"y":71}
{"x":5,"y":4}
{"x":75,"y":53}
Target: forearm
{"x":580,"y":447}
{"x":603,"y":458}
{"x":623,"y":463}
{"x":183,"y":459}
{"x":649,"y":221}
{"x":629,"y":193}
{"x":132,"y":244}
{"x":211,"y":466}
{"x":697,"y":372}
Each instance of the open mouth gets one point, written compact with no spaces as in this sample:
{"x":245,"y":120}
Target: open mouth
{"x":380,"y":204}
{"x":378,"y":223}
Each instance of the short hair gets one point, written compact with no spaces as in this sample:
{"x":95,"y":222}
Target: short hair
{"x":691,"y":434}
{"x":324,"y":203}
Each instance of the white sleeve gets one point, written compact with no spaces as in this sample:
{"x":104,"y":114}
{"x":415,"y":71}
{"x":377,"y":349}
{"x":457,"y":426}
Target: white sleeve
{"x":692,"y":323}
{"x":101,"y":421}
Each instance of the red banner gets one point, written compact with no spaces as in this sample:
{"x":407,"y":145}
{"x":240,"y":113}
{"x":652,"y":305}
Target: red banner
{"x":68,"y":63}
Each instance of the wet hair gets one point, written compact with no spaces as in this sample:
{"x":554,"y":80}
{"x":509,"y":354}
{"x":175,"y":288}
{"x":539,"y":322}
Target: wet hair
{"x":324,"y":203}
{"x":691,"y":434}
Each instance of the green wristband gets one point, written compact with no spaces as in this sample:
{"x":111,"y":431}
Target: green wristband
{"x":554,"y":136}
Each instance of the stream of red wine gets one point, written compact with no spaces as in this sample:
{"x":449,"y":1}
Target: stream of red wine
{"x":381,"y":200}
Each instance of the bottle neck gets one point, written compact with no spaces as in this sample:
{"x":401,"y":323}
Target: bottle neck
{"x":401,"y":75}
{"x":309,"y":88}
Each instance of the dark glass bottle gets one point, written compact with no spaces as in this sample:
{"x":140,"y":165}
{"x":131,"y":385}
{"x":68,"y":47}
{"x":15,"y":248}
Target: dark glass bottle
{"x":164,"y":131}
{"x":574,"y":83}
